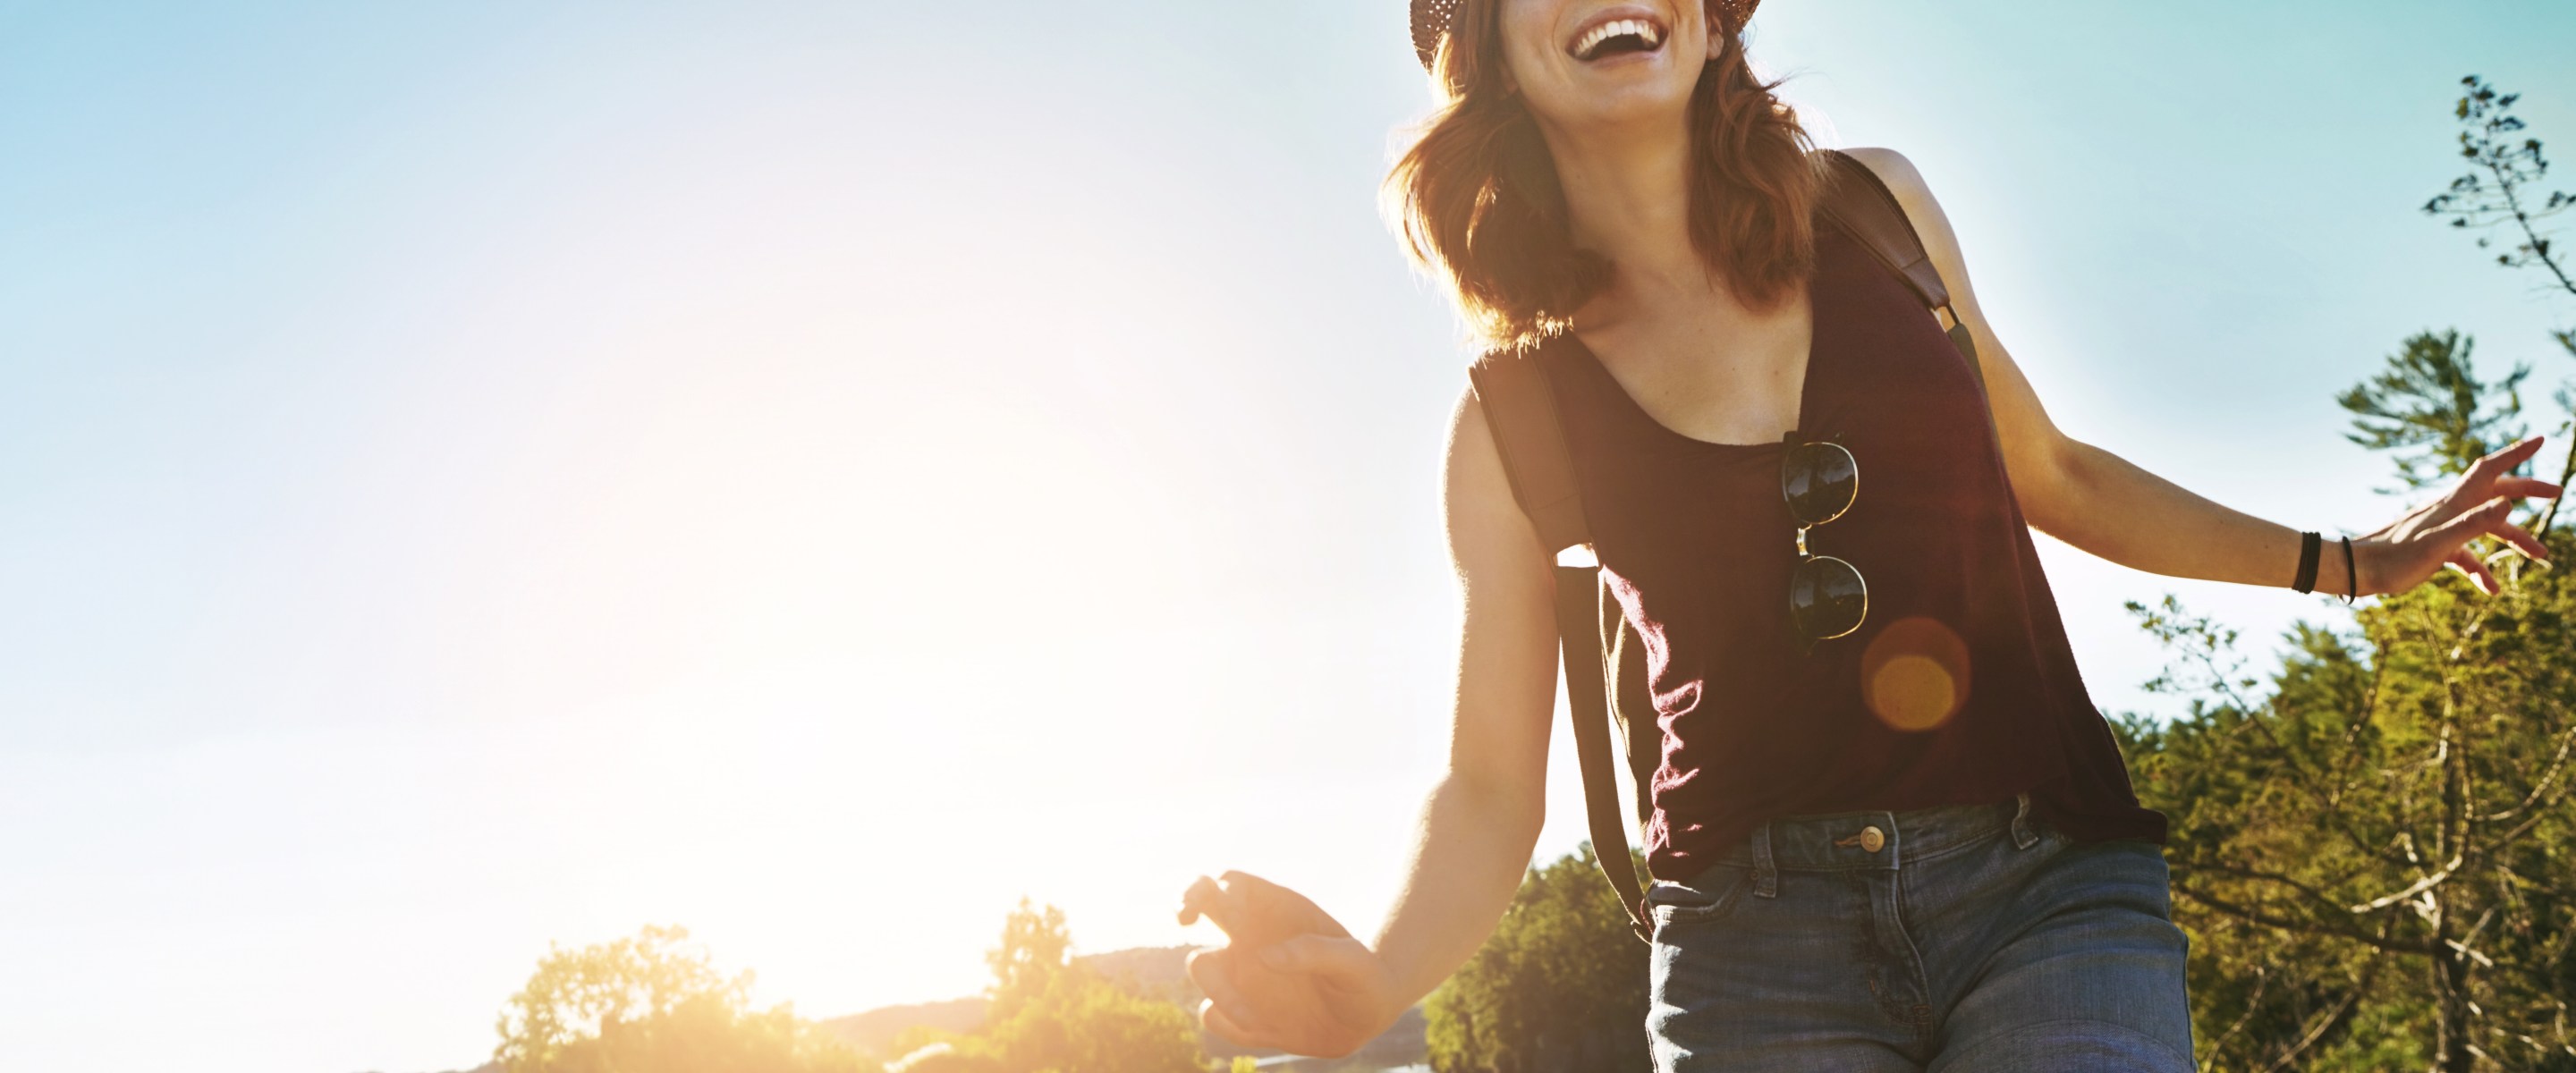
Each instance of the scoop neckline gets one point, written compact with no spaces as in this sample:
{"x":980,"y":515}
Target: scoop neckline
{"x":1806,"y":393}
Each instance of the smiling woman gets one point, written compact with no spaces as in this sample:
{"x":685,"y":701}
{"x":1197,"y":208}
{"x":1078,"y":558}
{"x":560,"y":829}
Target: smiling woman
{"x":1887,"y":828}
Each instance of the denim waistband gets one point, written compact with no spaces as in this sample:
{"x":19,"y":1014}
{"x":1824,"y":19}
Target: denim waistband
{"x":1876,"y":841}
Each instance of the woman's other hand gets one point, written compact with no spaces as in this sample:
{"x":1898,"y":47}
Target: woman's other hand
{"x":2404,"y":553}
{"x":1290,"y":977}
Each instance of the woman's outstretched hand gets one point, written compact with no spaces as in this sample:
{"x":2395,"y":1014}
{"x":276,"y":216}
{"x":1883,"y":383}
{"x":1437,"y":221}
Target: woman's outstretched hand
{"x":1290,"y":977}
{"x":2405,"y":552}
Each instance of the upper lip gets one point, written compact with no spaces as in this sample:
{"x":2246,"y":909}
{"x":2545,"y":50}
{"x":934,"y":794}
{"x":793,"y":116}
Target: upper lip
{"x":1574,"y":43}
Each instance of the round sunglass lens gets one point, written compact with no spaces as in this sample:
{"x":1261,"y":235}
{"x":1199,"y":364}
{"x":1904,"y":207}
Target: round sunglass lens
{"x":1819,"y":480}
{"x":1826,"y":598}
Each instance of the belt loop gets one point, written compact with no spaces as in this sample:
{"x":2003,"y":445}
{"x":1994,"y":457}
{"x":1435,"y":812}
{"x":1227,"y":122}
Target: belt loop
{"x":1766,"y":874}
{"x":2023,"y":836}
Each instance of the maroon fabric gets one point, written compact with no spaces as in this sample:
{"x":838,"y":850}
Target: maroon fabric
{"x":1697,"y":545}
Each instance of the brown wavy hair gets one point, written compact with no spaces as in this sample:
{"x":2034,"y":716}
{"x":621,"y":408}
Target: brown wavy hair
{"x":1477,"y":203}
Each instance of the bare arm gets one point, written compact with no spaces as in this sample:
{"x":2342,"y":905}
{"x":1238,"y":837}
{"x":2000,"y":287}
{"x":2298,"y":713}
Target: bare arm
{"x":1482,"y":821}
{"x":1290,"y":977}
{"x":2102,"y":503}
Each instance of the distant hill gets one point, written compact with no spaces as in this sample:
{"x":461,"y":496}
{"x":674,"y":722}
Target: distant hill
{"x":1158,"y":971}
{"x":875,"y":1030}
{"x":1162,"y":971}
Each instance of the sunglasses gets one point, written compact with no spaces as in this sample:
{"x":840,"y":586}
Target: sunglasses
{"x":1827,"y":598}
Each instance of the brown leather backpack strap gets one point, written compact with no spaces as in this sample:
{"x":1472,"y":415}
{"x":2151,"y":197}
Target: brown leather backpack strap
{"x":1856,"y":199}
{"x":1520,"y":410}
{"x":1578,"y":637}
{"x":1869,"y":211}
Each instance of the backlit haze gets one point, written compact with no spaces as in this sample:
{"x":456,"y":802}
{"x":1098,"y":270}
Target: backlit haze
{"x":477,"y":475}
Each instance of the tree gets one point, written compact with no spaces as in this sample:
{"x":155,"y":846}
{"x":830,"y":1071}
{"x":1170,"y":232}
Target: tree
{"x":2374,"y":860}
{"x":1081,"y":1023}
{"x":2430,"y":401}
{"x":1036,"y":948}
{"x":1049,"y":1014}
{"x":1560,"y":987}
{"x":2377,"y":859}
{"x":646,"y":1004}
{"x":2500,"y":185}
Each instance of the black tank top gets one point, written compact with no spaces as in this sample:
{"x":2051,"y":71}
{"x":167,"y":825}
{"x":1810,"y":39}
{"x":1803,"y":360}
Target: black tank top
{"x":1959,"y":688}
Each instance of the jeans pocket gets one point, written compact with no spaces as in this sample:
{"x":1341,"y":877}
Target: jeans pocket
{"x":1708,"y":898}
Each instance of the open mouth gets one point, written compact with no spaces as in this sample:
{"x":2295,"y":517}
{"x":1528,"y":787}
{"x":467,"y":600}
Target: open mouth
{"x":1617,"y":37}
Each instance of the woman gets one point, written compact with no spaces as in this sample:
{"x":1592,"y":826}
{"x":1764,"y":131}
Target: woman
{"x":1848,"y":876}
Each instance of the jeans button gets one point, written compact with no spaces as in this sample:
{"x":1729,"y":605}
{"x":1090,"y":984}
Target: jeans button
{"x":1873,"y":839}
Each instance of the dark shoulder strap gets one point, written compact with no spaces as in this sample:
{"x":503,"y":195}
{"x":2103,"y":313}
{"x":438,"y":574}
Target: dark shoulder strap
{"x":1870,"y":213}
{"x":1580,"y":605}
{"x":1856,"y":199}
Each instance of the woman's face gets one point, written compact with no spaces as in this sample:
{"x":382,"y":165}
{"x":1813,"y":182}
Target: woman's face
{"x":1588,"y":64}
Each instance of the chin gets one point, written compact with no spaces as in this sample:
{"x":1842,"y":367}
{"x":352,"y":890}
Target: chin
{"x":1623,"y":106}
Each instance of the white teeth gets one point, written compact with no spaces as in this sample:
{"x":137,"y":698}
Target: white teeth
{"x":1646,"y":30}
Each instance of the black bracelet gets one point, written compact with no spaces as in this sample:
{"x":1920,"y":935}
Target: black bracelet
{"x":2351,"y":575}
{"x":2308,"y":548}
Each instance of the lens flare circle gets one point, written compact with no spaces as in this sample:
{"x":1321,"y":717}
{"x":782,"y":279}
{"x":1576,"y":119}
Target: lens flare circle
{"x":1914,"y":675}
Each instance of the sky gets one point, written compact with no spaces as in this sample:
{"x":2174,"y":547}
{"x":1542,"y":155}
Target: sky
{"x":476,"y":476}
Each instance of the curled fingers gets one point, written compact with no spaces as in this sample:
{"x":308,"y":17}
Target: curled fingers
{"x":1225,"y":1012}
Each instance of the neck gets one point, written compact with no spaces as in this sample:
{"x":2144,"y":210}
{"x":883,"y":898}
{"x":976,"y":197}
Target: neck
{"x":1627,"y":198}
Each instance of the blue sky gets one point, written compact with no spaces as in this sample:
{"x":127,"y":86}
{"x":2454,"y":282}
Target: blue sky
{"x":481,"y":475}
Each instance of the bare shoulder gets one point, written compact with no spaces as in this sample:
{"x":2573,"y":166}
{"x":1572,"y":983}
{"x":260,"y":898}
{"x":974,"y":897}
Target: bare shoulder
{"x":1477,"y":489}
{"x":1489,"y":537}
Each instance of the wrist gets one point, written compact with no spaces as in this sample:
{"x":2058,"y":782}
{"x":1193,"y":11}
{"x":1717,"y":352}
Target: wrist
{"x":2312,"y":564}
{"x":2333,"y":566}
{"x":1406,"y":978}
{"x":2358,"y":558}
{"x":2341,"y":572}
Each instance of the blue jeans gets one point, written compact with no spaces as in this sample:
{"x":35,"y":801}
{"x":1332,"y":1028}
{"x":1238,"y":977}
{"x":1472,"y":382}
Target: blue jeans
{"x":1955,"y":939}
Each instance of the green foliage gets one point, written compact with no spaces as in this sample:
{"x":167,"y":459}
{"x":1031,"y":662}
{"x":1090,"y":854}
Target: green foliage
{"x":2377,"y":860}
{"x":1049,"y":1014}
{"x":647,"y":1005}
{"x":1081,"y":1023}
{"x":1561,"y":985}
{"x":2430,"y":403}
